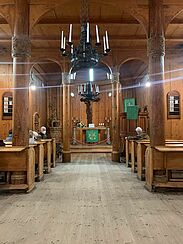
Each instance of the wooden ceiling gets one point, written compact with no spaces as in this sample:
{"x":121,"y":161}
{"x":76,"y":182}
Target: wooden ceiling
{"x":125,"y":21}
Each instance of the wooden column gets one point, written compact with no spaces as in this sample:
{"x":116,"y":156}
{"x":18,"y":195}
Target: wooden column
{"x":115,"y":118}
{"x":21,"y":53}
{"x":156,"y":52}
{"x":66,"y":118}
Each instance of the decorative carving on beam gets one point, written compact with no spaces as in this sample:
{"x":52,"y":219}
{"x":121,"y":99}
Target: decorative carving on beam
{"x":8,"y":13}
{"x":21,"y":46}
{"x":115,"y":77}
{"x":141,"y":15}
{"x":3,"y":50}
{"x":170,"y":13}
{"x":156,"y":46}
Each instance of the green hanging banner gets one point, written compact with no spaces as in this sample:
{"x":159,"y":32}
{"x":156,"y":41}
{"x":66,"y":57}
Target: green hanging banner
{"x":132,"y":112}
{"x":128,"y":102}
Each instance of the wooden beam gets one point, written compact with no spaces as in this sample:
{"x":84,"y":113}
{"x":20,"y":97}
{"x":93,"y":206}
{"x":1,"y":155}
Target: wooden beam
{"x":76,"y":21}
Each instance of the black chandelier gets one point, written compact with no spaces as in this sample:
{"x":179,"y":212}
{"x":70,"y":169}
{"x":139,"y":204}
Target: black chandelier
{"x":84,"y":55}
{"x":89,"y":92}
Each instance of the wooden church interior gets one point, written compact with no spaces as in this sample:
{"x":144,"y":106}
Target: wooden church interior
{"x":112,"y":188}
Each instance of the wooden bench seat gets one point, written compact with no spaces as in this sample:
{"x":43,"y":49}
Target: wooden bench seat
{"x":164,"y":166}
{"x":18,"y":166}
{"x":39,"y":158}
{"x":39,"y":161}
{"x":137,"y":153}
{"x":50,"y":152}
{"x":47,"y":154}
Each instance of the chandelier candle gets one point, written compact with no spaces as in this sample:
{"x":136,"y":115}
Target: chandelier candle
{"x":97,"y":36}
{"x":70,"y":34}
{"x":105,"y":52}
{"x":107,"y":42}
{"x":88,"y":33}
{"x":62,"y":41}
{"x":72,"y":49}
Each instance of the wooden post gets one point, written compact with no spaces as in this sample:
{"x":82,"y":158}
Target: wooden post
{"x":21,"y":53}
{"x":66,"y":118}
{"x":115,"y":118}
{"x":156,"y":52}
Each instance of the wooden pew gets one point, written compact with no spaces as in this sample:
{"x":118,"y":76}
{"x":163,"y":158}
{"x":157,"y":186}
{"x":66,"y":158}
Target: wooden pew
{"x":130,"y":151}
{"x":18,"y":166}
{"x":138,"y":152}
{"x":39,"y":158}
{"x":53,"y":153}
{"x":163,"y":166}
{"x":141,"y":148}
{"x":47,"y":154}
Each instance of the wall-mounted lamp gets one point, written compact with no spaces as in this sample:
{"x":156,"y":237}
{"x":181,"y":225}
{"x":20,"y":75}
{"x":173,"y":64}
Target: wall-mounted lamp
{"x":148,"y":84}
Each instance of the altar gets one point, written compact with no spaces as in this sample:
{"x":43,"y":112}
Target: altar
{"x":92,"y":135}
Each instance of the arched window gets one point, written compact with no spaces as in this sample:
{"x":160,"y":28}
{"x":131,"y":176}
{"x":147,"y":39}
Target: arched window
{"x":7,"y":105}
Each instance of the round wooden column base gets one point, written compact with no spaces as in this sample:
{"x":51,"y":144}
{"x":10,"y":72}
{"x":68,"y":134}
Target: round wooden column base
{"x":66,"y":157}
{"x":115,"y":156}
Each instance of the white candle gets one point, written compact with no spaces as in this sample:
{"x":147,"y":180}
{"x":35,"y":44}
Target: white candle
{"x":62,"y":40}
{"x":97,"y":34}
{"x":107,"y":41}
{"x":64,"y":43}
{"x":104,"y":44}
{"x":88,"y":33}
{"x":72,"y":49}
{"x":97,"y":89}
{"x":70,"y":34}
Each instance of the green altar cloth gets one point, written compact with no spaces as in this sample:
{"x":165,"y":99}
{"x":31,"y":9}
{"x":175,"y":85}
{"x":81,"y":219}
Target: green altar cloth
{"x":92,"y":136}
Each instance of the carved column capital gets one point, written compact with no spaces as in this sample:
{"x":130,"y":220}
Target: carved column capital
{"x":115,"y":77}
{"x":65,"y":78}
{"x":156,"y":46}
{"x":21,"y":46}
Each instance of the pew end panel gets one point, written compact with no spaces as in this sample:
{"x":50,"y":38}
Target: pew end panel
{"x":164,"y":167}
{"x":18,"y":166}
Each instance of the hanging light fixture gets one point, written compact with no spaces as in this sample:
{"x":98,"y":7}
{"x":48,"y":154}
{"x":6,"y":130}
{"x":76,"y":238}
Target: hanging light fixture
{"x":89,"y":92}
{"x":84,"y":55}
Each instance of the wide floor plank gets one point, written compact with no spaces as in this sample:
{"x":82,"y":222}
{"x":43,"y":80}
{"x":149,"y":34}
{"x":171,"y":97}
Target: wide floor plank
{"x":91,"y":201}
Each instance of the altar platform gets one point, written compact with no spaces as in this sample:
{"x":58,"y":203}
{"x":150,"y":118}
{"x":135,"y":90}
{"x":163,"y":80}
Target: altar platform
{"x":91,"y":148}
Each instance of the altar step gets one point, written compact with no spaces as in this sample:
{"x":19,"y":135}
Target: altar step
{"x":91,"y":149}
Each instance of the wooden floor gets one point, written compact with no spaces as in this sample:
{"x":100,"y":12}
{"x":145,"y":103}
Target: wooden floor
{"x":91,"y":201}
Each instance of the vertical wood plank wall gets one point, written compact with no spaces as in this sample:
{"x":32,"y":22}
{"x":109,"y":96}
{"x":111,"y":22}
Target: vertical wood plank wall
{"x":5,"y":86}
{"x":37,"y":100}
{"x":174,"y":81}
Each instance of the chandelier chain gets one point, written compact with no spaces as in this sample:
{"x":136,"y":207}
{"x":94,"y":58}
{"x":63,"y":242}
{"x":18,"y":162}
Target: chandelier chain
{"x":84,"y":11}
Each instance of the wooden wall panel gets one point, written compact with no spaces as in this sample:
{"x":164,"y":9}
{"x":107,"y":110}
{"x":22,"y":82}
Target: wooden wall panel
{"x":5,"y":86}
{"x":174,"y":81}
{"x":37,"y":100}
